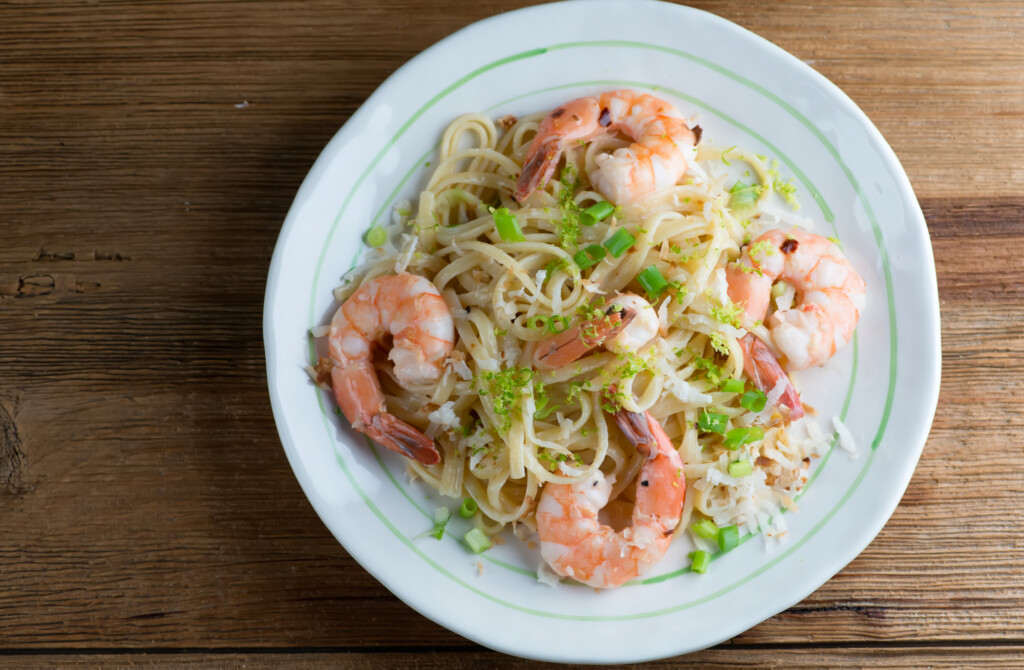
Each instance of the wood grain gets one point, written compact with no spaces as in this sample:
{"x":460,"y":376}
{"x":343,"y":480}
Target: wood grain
{"x":721,"y":658}
{"x":148,"y":154}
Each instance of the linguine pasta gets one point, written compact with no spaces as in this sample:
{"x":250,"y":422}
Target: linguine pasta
{"x":505,"y":429}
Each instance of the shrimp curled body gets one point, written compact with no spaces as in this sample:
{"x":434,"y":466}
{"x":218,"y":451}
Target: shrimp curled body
{"x":830,"y":294}
{"x":576,"y":544}
{"x":663,"y":144}
{"x":412,"y":310}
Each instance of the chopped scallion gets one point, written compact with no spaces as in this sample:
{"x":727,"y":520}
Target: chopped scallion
{"x":740,"y":436}
{"x":620,"y":242}
{"x":741,"y":468}
{"x":558,"y":324}
{"x":732,"y":386}
{"x":508,"y":225}
{"x":477,"y":541}
{"x":589,"y":256}
{"x":595,"y":213}
{"x":554,"y":266}
{"x":538,"y":322}
{"x":742,"y":195}
{"x":652,"y":281}
{"x":778,"y":288}
{"x":701,"y":560}
{"x":544,"y":410}
{"x":728,"y":537}
{"x":441,"y":516}
{"x":468,"y":508}
{"x":753,"y":400}
{"x":376,"y":236}
{"x":705,"y":528}
{"x":709,"y":422}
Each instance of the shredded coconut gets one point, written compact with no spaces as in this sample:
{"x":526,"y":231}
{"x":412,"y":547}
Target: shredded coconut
{"x":784,"y":302}
{"x":462,"y":370}
{"x":663,"y":316}
{"x":410,"y":248}
{"x":685,"y":391}
{"x":846,"y":440}
{"x":399,"y":215}
{"x":445,"y":415}
{"x":547,"y":577}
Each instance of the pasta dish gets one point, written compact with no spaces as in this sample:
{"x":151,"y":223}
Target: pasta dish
{"x":582,"y":329}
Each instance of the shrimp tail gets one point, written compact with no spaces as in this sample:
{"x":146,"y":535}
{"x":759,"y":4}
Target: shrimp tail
{"x":577,"y":341}
{"x":400,"y":437}
{"x":354,"y":386}
{"x":766,"y":372}
{"x":538,"y":170}
{"x":637,"y":429}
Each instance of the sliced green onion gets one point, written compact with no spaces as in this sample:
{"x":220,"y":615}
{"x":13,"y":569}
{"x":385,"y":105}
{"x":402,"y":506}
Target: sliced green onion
{"x":709,"y":422}
{"x":538,"y":322}
{"x":376,"y":236}
{"x":705,"y":528}
{"x":732,"y":386}
{"x":778,"y":288}
{"x":508,"y":225}
{"x":740,"y":436}
{"x":468,"y":508}
{"x":742,"y":195}
{"x":728,"y":537}
{"x":441,"y":516}
{"x":544,"y":410}
{"x":595,"y":213}
{"x":753,"y":400}
{"x":558,"y":324}
{"x":620,"y":242}
{"x":523,"y":376}
{"x":554,"y":266}
{"x":477,"y":541}
{"x":741,"y":468}
{"x":589,"y":256}
{"x":701,"y":560}
{"x":652,"y":281}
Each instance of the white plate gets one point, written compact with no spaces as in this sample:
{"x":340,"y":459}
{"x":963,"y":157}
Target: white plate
{"x":750,"y":93}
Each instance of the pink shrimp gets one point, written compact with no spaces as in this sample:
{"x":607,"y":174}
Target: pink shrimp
{"x":576,"y":544}
{"x":831,"y":296}
{"x":412,"y":310}
{"x":830,"y":292}
{"x":629,"y":323}
{"x":663,"y":145}
{"x":766,"y":373}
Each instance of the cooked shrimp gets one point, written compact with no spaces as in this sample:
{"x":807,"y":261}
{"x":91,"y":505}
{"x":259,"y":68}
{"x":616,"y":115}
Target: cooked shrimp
{"x":412,"y":310}
{"x":663,"y":145}
{"x":766,"y":373}
{"x":628,"y":324}
{"x":830,"y":294}
{"x":575,"y":543}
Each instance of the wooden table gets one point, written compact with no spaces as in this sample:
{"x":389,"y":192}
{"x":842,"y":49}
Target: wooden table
{"x":148,"y":154}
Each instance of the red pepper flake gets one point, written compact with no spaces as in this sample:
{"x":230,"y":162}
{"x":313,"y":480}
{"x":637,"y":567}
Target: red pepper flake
{"x":789,"y":246}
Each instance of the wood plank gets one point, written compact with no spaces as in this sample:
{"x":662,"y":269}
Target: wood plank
{"x":723,"y":657}
{"x":193,"y":63}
